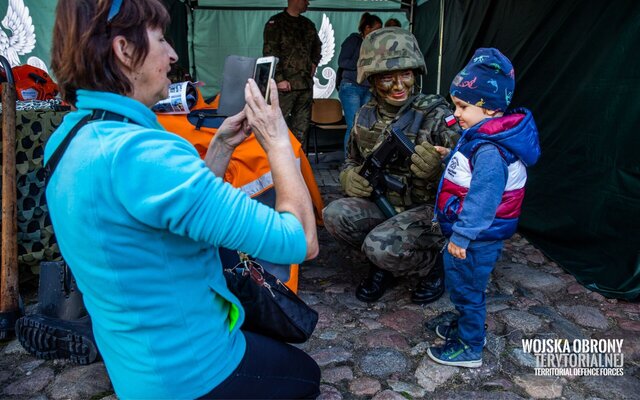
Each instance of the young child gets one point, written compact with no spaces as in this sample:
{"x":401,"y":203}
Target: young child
{"x":480,"y":194}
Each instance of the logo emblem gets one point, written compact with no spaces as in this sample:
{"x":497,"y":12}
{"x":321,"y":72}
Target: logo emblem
{"x":22,"y":38}
{"x":327,"y":36}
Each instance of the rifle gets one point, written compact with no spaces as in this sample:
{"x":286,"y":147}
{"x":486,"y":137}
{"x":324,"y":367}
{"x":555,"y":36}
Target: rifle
{"x":395,"y":143}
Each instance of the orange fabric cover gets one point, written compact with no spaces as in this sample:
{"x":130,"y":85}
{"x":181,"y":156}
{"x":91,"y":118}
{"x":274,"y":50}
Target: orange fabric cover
{"x":249,"y":161}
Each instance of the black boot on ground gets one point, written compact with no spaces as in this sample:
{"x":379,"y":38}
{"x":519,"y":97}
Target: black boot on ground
{"x":374,"y":285}
{"x":61,"y":328}
{"x":431,"y":287}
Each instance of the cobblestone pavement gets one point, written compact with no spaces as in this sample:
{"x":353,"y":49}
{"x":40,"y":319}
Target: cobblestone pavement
{"x":378,"y":350}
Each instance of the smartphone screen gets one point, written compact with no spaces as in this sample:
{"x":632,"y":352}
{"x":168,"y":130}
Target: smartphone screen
{"x":263,"y":73}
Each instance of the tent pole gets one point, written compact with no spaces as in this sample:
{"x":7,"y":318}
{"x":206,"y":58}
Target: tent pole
{"x":192,"y":54}
{"x":9,"y":293}
{"x":411,"y":15}
{"x":440,"y":46}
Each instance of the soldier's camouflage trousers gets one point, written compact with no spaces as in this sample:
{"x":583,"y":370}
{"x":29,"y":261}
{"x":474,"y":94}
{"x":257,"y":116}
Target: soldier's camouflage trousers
{"x":406,"y":243}
{"x":296,"y":108}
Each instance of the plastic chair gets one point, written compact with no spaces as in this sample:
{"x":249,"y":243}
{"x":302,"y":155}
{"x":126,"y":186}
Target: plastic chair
{"x":327,"y":126}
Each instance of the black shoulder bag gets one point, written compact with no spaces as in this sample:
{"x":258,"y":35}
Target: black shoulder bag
{"x":270,"y":308}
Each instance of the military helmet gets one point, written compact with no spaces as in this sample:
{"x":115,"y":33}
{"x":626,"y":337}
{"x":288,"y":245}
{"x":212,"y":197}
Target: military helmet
{"x":389,"y":49}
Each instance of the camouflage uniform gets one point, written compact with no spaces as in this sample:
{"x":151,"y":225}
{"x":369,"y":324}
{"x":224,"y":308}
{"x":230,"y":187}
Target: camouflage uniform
{"x":295,"y":41}
{"x":407,"y":242}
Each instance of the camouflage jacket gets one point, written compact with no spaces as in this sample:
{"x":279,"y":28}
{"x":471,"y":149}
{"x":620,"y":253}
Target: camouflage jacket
{"x":295,"y":41}
{"x":371,"y":126}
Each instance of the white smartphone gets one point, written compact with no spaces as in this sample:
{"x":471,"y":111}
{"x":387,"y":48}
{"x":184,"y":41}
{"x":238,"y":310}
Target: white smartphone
{"x":265,"y":70}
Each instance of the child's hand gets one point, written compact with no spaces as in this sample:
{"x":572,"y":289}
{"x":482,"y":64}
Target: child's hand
{"x":443,"y":151}
{"x":457,"y":251}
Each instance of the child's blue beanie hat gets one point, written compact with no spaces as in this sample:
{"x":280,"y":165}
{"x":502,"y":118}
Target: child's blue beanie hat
{"x":487,"y":81}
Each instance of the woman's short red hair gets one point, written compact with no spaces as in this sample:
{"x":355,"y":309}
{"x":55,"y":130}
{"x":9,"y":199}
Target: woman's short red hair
{"x":81,"y":53}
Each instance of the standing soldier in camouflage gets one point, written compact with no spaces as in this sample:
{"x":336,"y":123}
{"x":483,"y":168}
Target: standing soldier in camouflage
{"x":294,"y":40}
{"x":407,"y":243}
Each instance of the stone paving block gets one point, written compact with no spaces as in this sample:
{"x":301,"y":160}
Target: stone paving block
{"x":371,"y":324}
{"x":331,"y":355}
{"x":632,"y":326}
{"x":14,"y":347}
{"x":540,"y":387}
{"x":521,"y":358}
{"x":386,"y":338}
{"x":564,"y":328}
{"x":31,"y":384}
{"x":30,"y":366}
{"x":520,"y":320}
{"x":329,"y":393}
{"x":431,"y":375}
{"x":81,"y":382}
{"x":335,"y":375}
{"x":412,"y":390}
{"x":530,"y":278}
{"x":383,"y":362}
{"x":490,"y":367}
{"x":405,"y":321}
{"x":5,"y":376}
{"x":477,"y":395}
{"x":619,"y":387}
{"x":364,"y":386}
{"x":388,"y":395}
{"x":498,"y":384}
{"x":328,"y":335}
{"x":587,"y":316}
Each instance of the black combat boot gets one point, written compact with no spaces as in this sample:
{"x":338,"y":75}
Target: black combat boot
{"x":431,"y":287}
{"x":375,"y":284}
{"x":62,"y":327}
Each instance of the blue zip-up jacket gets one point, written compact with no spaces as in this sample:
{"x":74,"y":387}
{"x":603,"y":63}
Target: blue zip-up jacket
{"x":348,"y":59}
{"x":139,"y":217}
{"x":482,"y":188}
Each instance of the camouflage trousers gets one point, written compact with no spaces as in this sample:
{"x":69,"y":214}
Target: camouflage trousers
{"x":296,"y":108}
{"x":407,"y":243}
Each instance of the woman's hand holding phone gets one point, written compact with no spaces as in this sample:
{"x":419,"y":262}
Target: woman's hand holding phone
{"x":266,"y":120}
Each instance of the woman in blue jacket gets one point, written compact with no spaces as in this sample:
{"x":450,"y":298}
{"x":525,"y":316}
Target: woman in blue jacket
{"x":139,"y":216}
{"x":354,"y":95}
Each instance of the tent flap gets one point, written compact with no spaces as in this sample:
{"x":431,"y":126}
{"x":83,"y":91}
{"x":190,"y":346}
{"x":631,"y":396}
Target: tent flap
{"x":577,"y":70}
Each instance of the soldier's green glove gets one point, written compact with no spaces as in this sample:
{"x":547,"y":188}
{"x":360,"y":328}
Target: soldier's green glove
{"x":426,"y":162}
{"x":355,"y":185}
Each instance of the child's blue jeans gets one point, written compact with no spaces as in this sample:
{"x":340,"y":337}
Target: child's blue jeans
{"x":466,"y":281}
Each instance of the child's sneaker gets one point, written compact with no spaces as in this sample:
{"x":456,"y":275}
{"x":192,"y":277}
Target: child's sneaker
{"x":455,"y":353}
{"x":450,"y":331}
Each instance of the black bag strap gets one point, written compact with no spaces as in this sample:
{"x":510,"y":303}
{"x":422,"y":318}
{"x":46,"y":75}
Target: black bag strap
{"x":97,"y":115}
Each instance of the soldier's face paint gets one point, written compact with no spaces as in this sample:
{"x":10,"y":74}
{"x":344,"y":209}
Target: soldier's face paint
{"x":395,"y":87}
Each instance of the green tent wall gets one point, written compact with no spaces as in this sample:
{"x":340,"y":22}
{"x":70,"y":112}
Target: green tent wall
{"x":576,"y":69}
{"x":222,"y":28}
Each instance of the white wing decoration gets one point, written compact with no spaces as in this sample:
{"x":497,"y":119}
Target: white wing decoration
{"x":328,"y":39}
{"x":328,"y":50}
{"x":321,"y":91}
{"x":38,"y":63}
{"x":23,"y":38}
